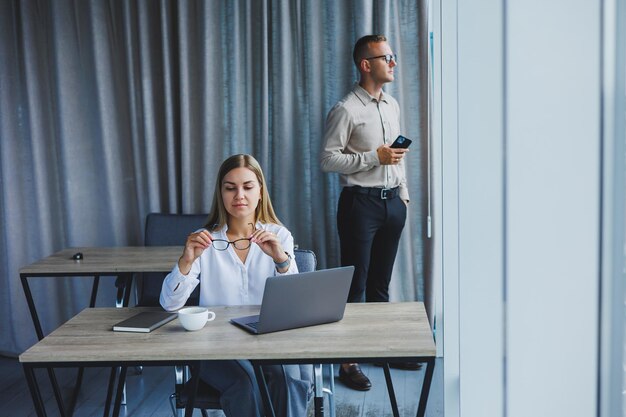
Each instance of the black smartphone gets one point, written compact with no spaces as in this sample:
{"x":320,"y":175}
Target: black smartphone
{"x":401,"y":142}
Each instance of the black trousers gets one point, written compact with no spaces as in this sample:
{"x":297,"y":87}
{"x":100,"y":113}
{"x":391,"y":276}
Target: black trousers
{"x":369,"y":234}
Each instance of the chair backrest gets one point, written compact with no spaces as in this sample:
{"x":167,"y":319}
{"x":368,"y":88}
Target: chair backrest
{"x":166,"y":230}
{"x":171,"y":229}
{"x":306,"y":260}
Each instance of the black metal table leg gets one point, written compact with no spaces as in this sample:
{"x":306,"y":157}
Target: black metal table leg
{"x":195,"y":378}
{"x":94,"y":291}
{"x":77,"y":384}
{"x":120,"y":387}
{"x":81,"y":370}
{"x":318,"y":399}
{"x":57,"y":392}
{"x":128,"y":287}
{"x":428,"y":377}
{"x":123,"y":283}
{"x":110,"y":388}
{"x":31,"y":306}
{"x":392,"y":394}
{"x":39,"y":332}
{"x":29,"y":372}
{"x":265,"y":393}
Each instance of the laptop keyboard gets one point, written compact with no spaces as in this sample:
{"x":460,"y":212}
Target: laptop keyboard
{"x":254,"y":325}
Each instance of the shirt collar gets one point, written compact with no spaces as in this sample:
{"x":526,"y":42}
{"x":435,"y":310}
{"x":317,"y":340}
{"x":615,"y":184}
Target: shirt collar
{"x":366,"y":97}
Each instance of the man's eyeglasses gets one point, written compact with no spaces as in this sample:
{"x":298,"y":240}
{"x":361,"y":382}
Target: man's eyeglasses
{"x":386,"y":57}
{"x":239,"y":244}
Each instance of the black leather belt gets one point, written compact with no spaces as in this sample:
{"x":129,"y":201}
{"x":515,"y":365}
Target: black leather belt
{"x":381,"y":193}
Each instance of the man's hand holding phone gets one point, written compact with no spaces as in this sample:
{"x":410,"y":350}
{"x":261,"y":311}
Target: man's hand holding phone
{"x":401,"y":142}
{"x":393,"y":154}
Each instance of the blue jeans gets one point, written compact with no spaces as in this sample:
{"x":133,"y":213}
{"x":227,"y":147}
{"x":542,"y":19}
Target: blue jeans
{"x":289,"y":387}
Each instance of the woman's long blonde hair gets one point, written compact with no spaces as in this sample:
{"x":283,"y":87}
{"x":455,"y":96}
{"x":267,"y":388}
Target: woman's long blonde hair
{"x":264,"y":213}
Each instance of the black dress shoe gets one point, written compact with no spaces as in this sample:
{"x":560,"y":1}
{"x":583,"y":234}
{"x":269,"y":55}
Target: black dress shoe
{"x":407,"y":366}
{"x":354,"y":378}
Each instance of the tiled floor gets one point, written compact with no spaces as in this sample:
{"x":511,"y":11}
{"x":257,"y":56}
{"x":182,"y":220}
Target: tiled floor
{"x":148,"y":393}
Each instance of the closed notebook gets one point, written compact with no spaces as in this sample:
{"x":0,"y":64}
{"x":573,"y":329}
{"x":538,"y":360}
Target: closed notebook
{"x":144,"y":322}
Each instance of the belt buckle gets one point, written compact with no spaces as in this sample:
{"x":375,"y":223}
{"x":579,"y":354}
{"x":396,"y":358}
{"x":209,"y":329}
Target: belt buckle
{"x":383,"y":193}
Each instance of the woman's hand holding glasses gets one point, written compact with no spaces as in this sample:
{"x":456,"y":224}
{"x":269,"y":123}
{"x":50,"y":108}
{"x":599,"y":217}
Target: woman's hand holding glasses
{"x":269,"y":244}
{"x":194,"y":246}
{"x":267,"y":241}
{"x":199,"y":241}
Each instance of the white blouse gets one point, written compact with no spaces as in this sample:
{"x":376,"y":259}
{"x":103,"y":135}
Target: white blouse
{"x":225,"y":279}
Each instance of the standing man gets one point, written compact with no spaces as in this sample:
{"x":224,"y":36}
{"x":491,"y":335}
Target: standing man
{"x":373,"y":203}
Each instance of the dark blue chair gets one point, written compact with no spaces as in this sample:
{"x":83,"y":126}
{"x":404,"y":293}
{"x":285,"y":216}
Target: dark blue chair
{"x":166,"y":230}
{"x":161,"y":229}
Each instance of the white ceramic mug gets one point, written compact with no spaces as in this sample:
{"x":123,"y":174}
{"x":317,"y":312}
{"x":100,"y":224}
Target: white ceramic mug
{"x":194,"y":318}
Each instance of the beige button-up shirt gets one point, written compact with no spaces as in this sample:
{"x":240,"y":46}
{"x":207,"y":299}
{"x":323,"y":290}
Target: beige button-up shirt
{"x":355,"y":127}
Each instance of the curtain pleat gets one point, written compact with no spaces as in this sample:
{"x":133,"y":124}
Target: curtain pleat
{"x":112,"y":110}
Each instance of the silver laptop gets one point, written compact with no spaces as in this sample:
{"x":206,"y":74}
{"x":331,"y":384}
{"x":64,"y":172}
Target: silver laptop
{"x":299,"y":300}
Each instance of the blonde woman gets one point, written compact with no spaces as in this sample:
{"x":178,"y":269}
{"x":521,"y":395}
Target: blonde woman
{"x":242,"y":244}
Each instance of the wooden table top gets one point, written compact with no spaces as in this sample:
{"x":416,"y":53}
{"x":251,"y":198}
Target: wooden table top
{"x":372,"y":330}
{"x":102,"y":260}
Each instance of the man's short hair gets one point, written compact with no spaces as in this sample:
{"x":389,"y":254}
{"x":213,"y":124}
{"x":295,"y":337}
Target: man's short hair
{"x":361,"y":47}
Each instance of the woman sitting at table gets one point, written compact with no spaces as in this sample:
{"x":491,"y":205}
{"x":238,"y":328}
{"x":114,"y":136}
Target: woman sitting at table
{"x":242,"y":244}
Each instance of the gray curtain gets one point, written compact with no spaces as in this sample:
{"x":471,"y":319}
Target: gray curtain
{"x":110,"y":110}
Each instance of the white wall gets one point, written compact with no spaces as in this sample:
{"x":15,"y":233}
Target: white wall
{"x":520,"y":84}
{"x":553,"y":201}
{"x":480,"y":194}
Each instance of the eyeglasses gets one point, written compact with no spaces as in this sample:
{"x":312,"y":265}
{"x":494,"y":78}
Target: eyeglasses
{"x":386,"y":57}
{"x":239,"y":244}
